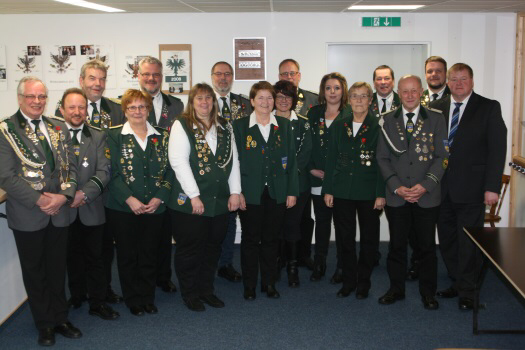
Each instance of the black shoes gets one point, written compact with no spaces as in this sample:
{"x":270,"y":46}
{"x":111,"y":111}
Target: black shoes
{"x":150,"y":308}
{"x":228,"y":272}
{"x":344,"y":292}
{"x":361,"y":294}
{"x":465,"y":303}
{"x":46,"y":337}
{"x":136,"y":310}
{"x":430,"y":303}
{"x":447,"y":293}
{"x":68,"y":330}
{"x":76,"y":301}
{"x":391,"y":297}
{"x":319,"y":271}
{"x":337,"y":277}
{"x":194,"y":304}
{"x":167,"y":286}
{"x":212,"y":300}
{"x":104,"y":311}
{"x":293,"y":274}
{"x":249,"y":293}
{"x":112,"y":297}
{"x":270,"y":291}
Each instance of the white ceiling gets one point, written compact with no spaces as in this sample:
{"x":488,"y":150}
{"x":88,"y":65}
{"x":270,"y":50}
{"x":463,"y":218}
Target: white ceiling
{"x":196,"y":6}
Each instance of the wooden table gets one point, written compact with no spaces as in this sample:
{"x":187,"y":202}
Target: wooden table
{"x":504,"y":247}
{"x":3,"y":196}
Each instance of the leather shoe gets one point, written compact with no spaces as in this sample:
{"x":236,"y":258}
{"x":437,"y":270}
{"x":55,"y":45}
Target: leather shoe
{"x":112,"y":297}
{"x":319,"y":271}
{"x":194,"y":304}
{"x":337,"y":277}
{"x":413,"y":273}
{"x":249,"y":293}
{"x":167,"y":286}
{"x":361,"y":294}
{"x":270,"y":291}
{"x":150,"y":308}
{"x":307,"y":262}
{"x":228,"y":272}
{"x":344,"y":292}
{"x":46,"y":337}
{"x":391,"y":297}
{"x":136,"y":310}
{"x":68,"y":330}
{"x":447,"y":293}
{"x":212,"y":300}
{"x":430,"y":303}
{"x":76,"y":301}
{"x":104,"y":311}
{"x":465,"y":303}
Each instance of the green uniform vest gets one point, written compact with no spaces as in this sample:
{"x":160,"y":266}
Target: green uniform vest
{"x":303,"y":150}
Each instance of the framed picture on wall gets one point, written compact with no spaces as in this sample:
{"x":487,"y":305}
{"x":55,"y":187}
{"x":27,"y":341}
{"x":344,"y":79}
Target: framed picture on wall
{"x":176,"y":68}
{"x":249,"y":57}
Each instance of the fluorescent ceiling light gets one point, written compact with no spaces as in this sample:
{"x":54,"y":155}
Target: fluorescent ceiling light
{"x":385,"y":7}
{"x":90,"y":5}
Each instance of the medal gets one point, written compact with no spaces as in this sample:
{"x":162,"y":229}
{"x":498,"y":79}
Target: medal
{"x":85,"y":164}
{"x":248,"y":138}
{"x":368,"y":163}
{"x":63,"y":186}
{"x":254,"y":143}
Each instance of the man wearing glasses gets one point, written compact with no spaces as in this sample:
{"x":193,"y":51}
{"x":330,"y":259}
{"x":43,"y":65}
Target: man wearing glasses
{"x":289,"y":70}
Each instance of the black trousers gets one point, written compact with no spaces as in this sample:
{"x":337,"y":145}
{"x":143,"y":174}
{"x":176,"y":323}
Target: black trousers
{"x":461,"y":256}
{"x":42,"y":256}
{"x":108,"y":250}
{"x":356,"y":273}
{"x":165,"y":249}
{"x":85,"y":267}
{"x":323,"y":229}
{"x":199,"y":240}
{"x":261,"y":225}
{"x":137,"y":238}
{"x":291,"y":230}
{"x":307,"y":231}
{"x":400,"y":221}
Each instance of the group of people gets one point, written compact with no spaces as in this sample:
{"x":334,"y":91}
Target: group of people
{"x":140,"y":171}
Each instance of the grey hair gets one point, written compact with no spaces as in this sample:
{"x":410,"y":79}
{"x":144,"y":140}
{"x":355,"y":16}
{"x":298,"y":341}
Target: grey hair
{"x":96,"y":64}
{"x":21,"y":85}
{"x":150,"y":60}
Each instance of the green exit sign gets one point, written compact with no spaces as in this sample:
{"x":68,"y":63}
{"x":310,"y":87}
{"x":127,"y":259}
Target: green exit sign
{"x":381,"y":21}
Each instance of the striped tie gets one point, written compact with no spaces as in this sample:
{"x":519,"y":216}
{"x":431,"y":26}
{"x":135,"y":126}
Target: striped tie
{"x":454,"y":124}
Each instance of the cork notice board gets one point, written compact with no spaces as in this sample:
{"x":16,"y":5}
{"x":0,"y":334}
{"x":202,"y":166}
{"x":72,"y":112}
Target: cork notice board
{"x":176,"y":68}
{"x":249,"y":57}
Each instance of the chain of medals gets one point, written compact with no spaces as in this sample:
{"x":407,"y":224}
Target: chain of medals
{"x":306,"y":128}
{"x":57,"y":136}
{"x":204,"y":151}
{"x":103,"y":118}
{"x":126,"y":160}
{"x":427,"y":155}
{"x":162,"y":157}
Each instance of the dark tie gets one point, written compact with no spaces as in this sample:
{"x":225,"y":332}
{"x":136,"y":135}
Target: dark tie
{"x":383,"y":110}
{"x":45,"y":145}
{"x":435,"y":97}
{"x":226,"y":114}
{"x":76,"y":144}
{"x":410,"y":125}
{"x":95,"y":116}
{"x":454,"y":124}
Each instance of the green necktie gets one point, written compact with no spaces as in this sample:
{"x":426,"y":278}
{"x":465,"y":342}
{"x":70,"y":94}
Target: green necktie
{"x":410,"y":125}
{"x":95,"y":116}
{"x":76,"y":144}
{"x":45,"y":145}
{"x":226,"y":113}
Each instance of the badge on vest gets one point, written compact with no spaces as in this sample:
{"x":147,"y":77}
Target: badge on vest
{"x":445,"y":143}
{"x":284,"y":161}
{"x":182,"y":198}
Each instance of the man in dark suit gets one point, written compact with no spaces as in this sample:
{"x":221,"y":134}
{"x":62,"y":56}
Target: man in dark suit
{"x":289,"y":70}
{"x":477,"y":139}
{"x":231,"y":107}
{"x":165,"y":109}
{"x":412,"y":159}
{"x":85,"y":265}
{"x":385,"y":98}
{"x":38,"y":173}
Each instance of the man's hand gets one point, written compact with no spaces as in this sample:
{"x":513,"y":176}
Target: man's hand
{"x":290,"y":201}
{"x":403,"y":192}
{"x":329,"y":200}
{"x":55,"y":203}
{"x":79,"y":200}
{"x":491,"y":198}
{"x":317,"y":173}
{"x":242,"y":204}
{"x":415,"y":193}
{"x":197,"y":205}
{"x":379,"y":203}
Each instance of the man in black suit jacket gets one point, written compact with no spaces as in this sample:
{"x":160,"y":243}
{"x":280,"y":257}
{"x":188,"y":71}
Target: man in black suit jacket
{"x":165,"y":109}
{"x":385,"y":98}
{"x":478,"y":145}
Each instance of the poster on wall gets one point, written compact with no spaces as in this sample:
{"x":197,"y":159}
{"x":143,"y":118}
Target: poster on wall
{"x":104,"y":53}
{"x":249,"y":57}
{"x":128,"y":71}
{"x":3,"y":69}
{"x":176,"y":63}
{"x":60,"y":67}
{"x":28,"y":61}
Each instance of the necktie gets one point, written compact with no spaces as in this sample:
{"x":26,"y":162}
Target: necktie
{"x":76,"y":144}
{"x":410,"y":125}
{"x":226,"y":114}
{"x":95,"y":116}
{"x":383,"y":110}
{"x":434,"y":97}
{"x":45,"y":145}
{"x":454,"y":124}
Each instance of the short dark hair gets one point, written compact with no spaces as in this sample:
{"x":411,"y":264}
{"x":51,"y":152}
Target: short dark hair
{"x":344,"y":87}
{"x":461,"y":66}
{"x":221,"y":62}
{"x":287,"y":88}
{"x":384,"y":66}
{"x":261,"y":85}
{"x":290,"y":60}
{"x":72,"y":91}
{"x":436,"y":59}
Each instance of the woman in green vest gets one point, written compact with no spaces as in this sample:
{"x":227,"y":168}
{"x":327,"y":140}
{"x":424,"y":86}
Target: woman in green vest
{"x":203,"y":154}
{"x":141,"y":180}
{"x":269,"y":185}
{"x":285,"y":102}
{"x":333,"y":105}
{"x":353,"y":185}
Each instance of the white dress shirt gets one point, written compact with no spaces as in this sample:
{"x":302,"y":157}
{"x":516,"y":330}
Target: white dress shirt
{"x":440,"y":93}
{"x":461,"y":109}
{"x":79,"y":134}
{"x":389,"y":100}
{"x":264,"y":129}
{"x":127,"y":130}
{"x":414,"y":118}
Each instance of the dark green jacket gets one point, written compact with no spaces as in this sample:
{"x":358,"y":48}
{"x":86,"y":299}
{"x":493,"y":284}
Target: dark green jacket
{"x":320,"y":136}
{"x":134,"y":172}
{"x":302,"y":134}
{"x":211,"y":172}
{"x":278,"y":155}
{"x":351,"y":168}
{"x":374,"y":107}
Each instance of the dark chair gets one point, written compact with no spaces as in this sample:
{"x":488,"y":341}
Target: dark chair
{"x":493,"y":215}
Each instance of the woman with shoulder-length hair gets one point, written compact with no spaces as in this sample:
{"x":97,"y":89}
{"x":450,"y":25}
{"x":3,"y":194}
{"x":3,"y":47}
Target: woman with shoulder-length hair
{"x":203,"y":154}
{"x":269,"y":185}
{"x":333,"y":105}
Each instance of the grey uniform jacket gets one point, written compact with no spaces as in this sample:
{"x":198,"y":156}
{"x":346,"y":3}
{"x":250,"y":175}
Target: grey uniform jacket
{"x":93,"y":167}
{"x":422,"y":161}
{"x":25,"y":181}
{"x":110,"y":112}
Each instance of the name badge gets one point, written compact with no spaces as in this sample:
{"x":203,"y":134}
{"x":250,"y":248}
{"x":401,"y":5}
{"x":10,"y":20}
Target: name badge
{"x":284,"y":161}
{"x":182,"y":199}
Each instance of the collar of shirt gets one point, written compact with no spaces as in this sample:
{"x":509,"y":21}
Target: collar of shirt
{"x":414,"y":118}
{"x":389,"y":100}
{"x":157,"y":101}
{"x":127,"y":130}
{"x":440,"y":92}
{"x":461,"y":109}
{"x":90,"y":108}
{"x":29,"y":120}
{"x":253,"y":120}
{"x":293,"y":116}
{"x":69,"y":127}
{"x":219,"y":99}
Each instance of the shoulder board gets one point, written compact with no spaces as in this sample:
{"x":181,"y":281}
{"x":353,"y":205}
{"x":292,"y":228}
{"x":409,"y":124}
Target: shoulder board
{"x":116,"y":100}
{"x":174,"y":97}
{"x":301,"y":116}
{"x":60,"y":119}
{"x":116,"y":126}
{"x":3,"y":119}
{"x":244,"y":96}
{"x":160,"y":128}
{"x":435,"y":110}
{"x":310,"y":92}
{"x":92,"y":127}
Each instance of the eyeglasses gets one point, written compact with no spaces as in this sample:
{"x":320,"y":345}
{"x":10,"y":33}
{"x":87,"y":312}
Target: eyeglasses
{"x":220,"y":74}
{"x":288,"y":74}
{"x":136,"y":108}
{"x":359,"y":97}
{"x":154,"y":75}
{"x":32,"y":97}
{"x":284,"y":98}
